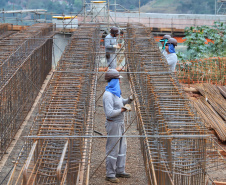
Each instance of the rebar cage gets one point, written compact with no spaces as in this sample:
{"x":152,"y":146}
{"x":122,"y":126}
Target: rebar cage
{"x":66,"y":109}
{"x":25,"y":61}
{"x":179,"y":153}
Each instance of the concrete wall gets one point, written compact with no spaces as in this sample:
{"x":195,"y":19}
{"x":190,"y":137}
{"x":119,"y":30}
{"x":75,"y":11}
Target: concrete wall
{"x":60,"y":41}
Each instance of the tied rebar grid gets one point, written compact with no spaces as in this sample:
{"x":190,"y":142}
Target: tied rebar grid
{"x":163,"y":110}
{"x":67,"y":109}
{"x":17,"y":47}
{"x":24,"y":66}
{"x":210,"y":70}
{"x":4,"y":30}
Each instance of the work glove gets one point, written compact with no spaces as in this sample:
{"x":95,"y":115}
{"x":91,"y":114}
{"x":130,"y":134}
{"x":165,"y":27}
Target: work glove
{"x":127,"y":107}
{"x":131,"y":97}
{"x":116,"y":46}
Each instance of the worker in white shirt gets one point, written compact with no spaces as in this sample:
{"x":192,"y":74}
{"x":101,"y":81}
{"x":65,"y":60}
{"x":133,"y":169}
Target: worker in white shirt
{"x":114,"y":108}
{"x":163,"y":41}
{"x":171,"y":56}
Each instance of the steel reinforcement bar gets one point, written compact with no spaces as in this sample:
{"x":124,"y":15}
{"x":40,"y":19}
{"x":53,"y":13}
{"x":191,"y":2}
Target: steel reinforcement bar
{"x":24,"y":66}
{"x":3,"y":28}
{"x":67,"y":109}
{"x":163,"y":110}
{"x":4,"y":31}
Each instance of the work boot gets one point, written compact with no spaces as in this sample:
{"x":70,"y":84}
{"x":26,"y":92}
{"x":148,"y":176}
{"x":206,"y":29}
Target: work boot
{"x":123,"y":175}
{"x":112,"y":179}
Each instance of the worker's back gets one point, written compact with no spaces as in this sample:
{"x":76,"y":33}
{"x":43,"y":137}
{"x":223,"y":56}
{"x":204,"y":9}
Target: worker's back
{"x":109,"y":42}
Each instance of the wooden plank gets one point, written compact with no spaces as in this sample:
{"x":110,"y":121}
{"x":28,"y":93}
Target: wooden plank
{"x":16,"y":28}
{"x":219,"y":183}
{"x":222,"y":152}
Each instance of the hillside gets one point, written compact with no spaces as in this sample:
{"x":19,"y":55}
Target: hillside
{"x":160,"y":6}
{"x":179,"y":6}
{"x":153,"y":6}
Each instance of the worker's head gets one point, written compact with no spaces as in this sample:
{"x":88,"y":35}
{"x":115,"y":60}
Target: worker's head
{"x":172,"y":41}
{"x":170,"y":45}
{"x":112,"y":74}
{"x":164,"y":39}
{"x":114,"y":31}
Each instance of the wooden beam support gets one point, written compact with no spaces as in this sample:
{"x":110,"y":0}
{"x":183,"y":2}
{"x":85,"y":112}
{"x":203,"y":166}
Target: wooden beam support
{"x":219,"y":183}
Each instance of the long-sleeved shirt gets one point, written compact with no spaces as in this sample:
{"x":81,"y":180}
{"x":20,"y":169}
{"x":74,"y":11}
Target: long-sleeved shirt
{"x":113,"y":105}
{"x":164,"y":53}
{"x":109,"y":41}
{"x":172,"y":60}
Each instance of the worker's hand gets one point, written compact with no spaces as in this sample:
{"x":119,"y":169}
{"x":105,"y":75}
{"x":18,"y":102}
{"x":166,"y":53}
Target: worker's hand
{"x":131,"y":97}
{"x":127,"y":107}
{"x":116,"y":46}
{"x":123,"y":109}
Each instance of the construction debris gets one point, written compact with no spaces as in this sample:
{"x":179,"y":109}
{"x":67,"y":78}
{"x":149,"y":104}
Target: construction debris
{"x":211,"y":118}
{"x":214,"y":97}
{"x":222,"y":90}
{"x":211,"y":107}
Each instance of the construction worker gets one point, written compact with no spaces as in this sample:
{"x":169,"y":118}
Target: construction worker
{"x":121,"y":38}
{"x":163,"y":41}
{"x":114,"y":107}
{"x":171,"y":56}
{"x":120,"y":52}
{"x":111,"y":46}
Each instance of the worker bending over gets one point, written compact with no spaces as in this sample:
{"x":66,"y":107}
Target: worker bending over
{"x":114,"y":111}
{"x":171,"y":56}
{"x":111,"y":46}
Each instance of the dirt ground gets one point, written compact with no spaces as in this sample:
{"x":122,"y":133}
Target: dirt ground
{"x":134,"y":162}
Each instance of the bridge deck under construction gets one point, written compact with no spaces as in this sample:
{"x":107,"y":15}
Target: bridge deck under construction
{"x":177,"y":148}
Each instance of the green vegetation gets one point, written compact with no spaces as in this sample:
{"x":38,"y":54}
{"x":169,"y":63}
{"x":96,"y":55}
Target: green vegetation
{"x":203,"y":61}
{"x":198,"y":46}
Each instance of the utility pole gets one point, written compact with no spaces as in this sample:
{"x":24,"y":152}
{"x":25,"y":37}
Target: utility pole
{"x":139,"y":10}
{"x":84,"y":9}
{"x":215,"y":7}
{"x":108,"y":16}
{"x":115,"y":10}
